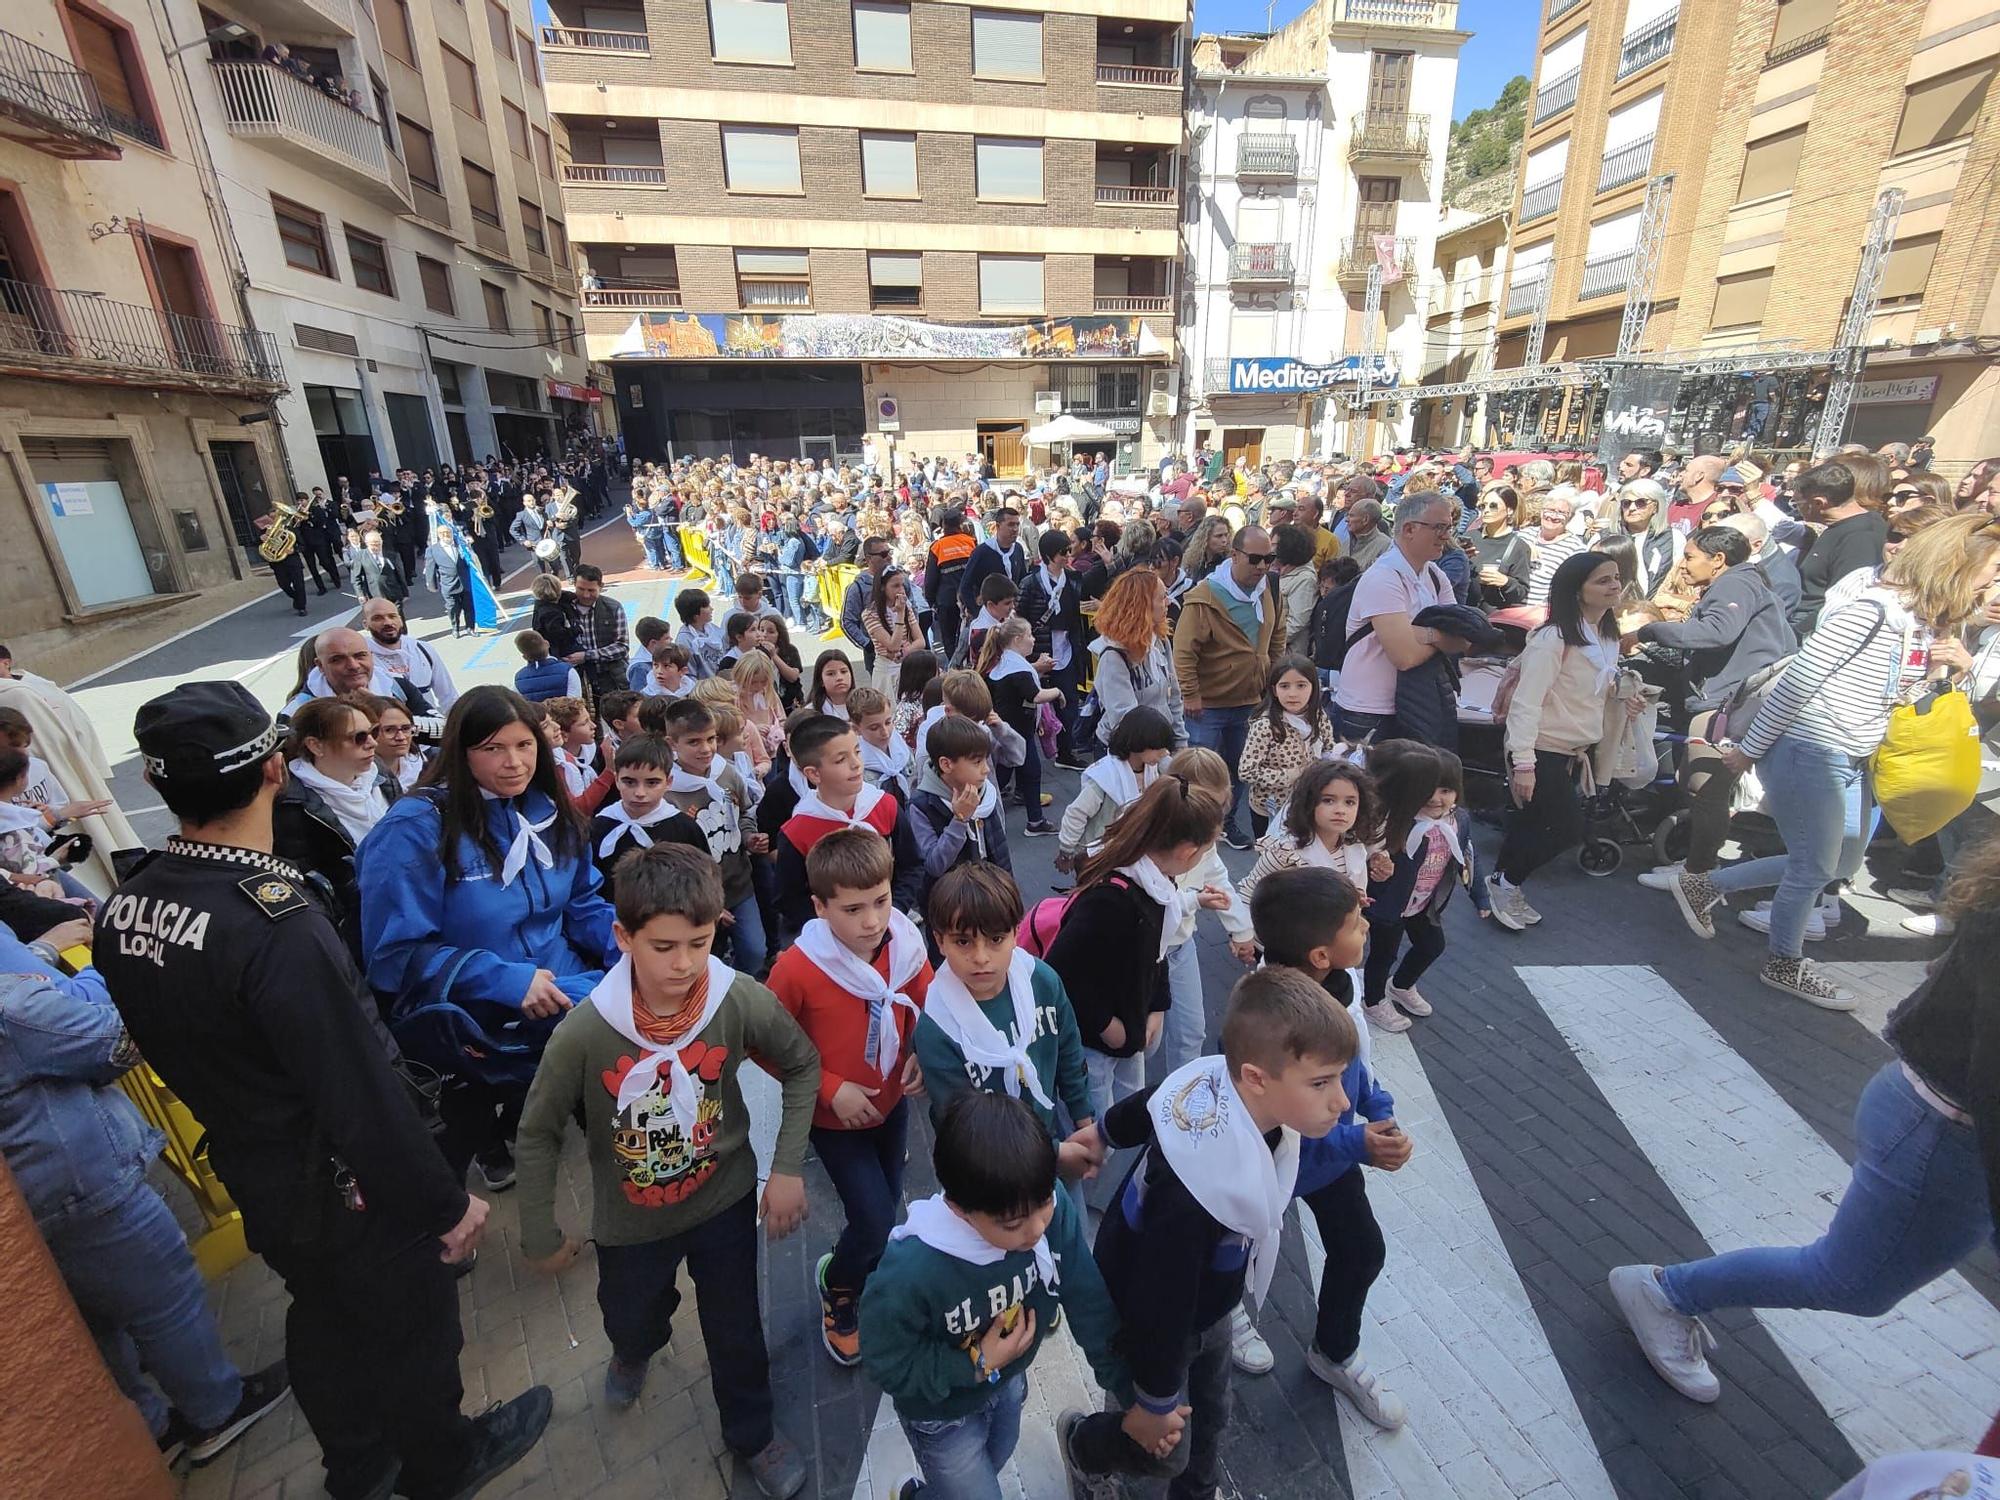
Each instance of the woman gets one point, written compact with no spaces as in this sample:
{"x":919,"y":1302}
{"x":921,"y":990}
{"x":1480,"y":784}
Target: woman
{"x":1567,"y":673}
{"x":1642,"y":515}
{"x":396,"y":754}
{"x":1297,"y":584}
{"x":1501,"y":557}
{"x":483,"y":919}
{"x":334,"y":795}
{"x":1973,"y":486}
{"x":1919,"y":488}
{"x":1920,"y":1201}
{"x":892,"y":628}
{"x":1825,"y":715}
{"x":1903,"y":525}
{"x":1135,"y":662}
{"x":1207,"y":546}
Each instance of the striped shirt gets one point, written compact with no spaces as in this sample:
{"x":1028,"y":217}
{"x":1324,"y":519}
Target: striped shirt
{"x":1839,"y":689}
{"x":1550,"y":555}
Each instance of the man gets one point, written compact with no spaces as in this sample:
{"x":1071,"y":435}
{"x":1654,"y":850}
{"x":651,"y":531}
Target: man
{"x":1282,"y":509}
{"x":1482,"y":469}
{"x":1231,"y":629}
{"x":1002,"y":554}
{"x":1050,"y":602}
{"x":344,"y":664}
{"x":1638,"y":463}
{"x":1851,"y":536}
{"x":1697,"y":488}
{"x":377,"y":575}
{"x":241,"y":995}
{"x":1366,"y":538}
{"x":600,"y":630}
{"x":401,"y":656}
{"x":1922,"y":452}
{"x":1552,"y":542}
{"x":875,"y":559}
{"x":944,"y":569}
{"x":318,"y":530}
{"x":448,"y":575}
{"x":1188,"y":515}
{"x":289,"y":573}
{"x":529,"y":528}
{"x":1779,"y":567}
{"x":1326,"y":545}
{"x":1382,"y":642}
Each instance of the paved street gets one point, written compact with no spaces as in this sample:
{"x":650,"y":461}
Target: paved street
{"x":1602,"y":1089}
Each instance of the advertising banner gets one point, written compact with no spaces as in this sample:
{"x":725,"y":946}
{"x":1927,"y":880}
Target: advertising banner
{"x":1638,"y":412}
{"x":1277,"y":376}
{"x":872,"y":336}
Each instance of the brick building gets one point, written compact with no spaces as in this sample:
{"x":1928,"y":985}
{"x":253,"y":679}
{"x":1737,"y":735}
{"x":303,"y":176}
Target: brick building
{"x":928,"y":221}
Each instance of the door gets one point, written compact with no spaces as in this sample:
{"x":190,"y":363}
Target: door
{"x":84,"y":503}
{"x":1246,"y":443}
{"x":1006,"y":444}
{"x":1376,"y":212}
{"x":243,"y":493}
{"x":1257,"y":221}
{"x":1389,"y":75}
{"x":177,"y":278}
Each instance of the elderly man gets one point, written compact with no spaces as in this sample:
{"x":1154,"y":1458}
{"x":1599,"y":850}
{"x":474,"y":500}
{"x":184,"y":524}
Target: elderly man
{"x":1231,"y":630}
{"x":1697,"y":487}
{"x":1382,"y":641}
{"x":1366,"y":538}
{"x":346,"y":664}
{"x":1326,"y":543}
{"x":1189,"y":514}
{"x":401,"y":655}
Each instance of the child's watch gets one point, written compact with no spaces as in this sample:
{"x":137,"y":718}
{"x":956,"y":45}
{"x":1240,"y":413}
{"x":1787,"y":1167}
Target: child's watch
{"x":991,"y":1377}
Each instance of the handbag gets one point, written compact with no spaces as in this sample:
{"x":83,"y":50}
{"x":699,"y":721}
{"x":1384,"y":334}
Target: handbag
{"x":1927,"y":770}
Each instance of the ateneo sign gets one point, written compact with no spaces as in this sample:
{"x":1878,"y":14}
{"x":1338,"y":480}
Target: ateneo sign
{"x":1291,"y":377}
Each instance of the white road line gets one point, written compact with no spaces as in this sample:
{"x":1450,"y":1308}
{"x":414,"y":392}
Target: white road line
{"x":146,"y":651}
{"x":1749,"y":1171}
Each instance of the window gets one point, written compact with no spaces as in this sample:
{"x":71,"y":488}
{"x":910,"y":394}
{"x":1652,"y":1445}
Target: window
{"x":1739,"y":300}
{"x":882,"y":36}
{"x":545,"y":154}
{"x":545,"y":322}
{"x":1907,"y":268}
{"x":530,"y":69}
{"x":1006,"y":44}
{"x":1942,"y":109}
{"x":420,"y":152}
{"x":436,"y":277}
{"x":303,"y":234}
{"x":448,"y":382}
{"x":1771,"y":165}
{"x":501,"y":30}
{"x":398,"y":39}
{"x":761,"y":159}
{"x":888,"y":165}
{"x":517,"y":129}
{"x":1010,"y":284}
{"x":568,"y":333}
{"x":558,"y":242}
{"x":895,"y":280}
{"x":496,"y":306}
{"x":531,"y":227}
{"x":1797,"y":18}
{"x":460,"y":82}
{"x":105,"y":50}
{"x":369,"y":258}
{"x":752,"y":31}
{"x":773,"y":278}
{"x":1007,"y":169}
{"x":483,"y":193}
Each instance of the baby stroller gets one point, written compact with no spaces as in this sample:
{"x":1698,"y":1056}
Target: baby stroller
{"x":1618,"y":816}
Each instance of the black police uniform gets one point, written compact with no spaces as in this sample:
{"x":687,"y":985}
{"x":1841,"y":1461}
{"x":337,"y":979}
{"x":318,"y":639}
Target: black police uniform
{"x":242,"y":996}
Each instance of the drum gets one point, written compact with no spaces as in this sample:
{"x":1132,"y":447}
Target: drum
{"x":547,"y":548}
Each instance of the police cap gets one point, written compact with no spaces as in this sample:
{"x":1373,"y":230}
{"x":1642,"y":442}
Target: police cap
{"x":203,"y":730}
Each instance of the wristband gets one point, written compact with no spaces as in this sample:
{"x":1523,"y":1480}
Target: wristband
{"x":1156,"y":1405}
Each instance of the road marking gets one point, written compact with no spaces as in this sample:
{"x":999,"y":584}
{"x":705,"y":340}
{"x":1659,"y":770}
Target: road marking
{"x":1748,"y":1171}
{"x":146,"y":651}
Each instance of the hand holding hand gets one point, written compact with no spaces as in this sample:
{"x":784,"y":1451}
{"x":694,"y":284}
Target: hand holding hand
{"x":1155,"y":1433}
{"x":1380,"y":865}
{"x":463,"y":1237}
{"x":913,"y":1077}
{"x":1214,"y":898}
{"x":1244,"y":951}
{"x":1388,"y":1147}
{"x":784,"y":1206}
{"x":854,"y":1105}
{"x":544,"y":997}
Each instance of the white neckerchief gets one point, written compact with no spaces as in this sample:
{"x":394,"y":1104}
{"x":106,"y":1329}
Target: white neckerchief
{"x":978,"y":1040}
{"x":938,"y":1225}
{"x":408,"y":769}
{"x":1011,"y":663}
{"x":1175,"y":903}
{"x":575,"y":777}
{"x":746,"y":767}
{"x":613,"y":1000}
{"x":838,"y":710}
{"x":1205,"y":1132}
{"x":1054,"y":585}
{"x":358,"y":805}
{"x":1222,"y":579}
{"x":623,"y":823}
{"x":684,"y":780}
{"x":865,"y":982}
{"x":812,"y":805}
{"x":1300,"y":727}
{"x":1342,"y":861}
{"x":1421,"y":829}
{"x":797,"y":780}
{"x":1603,"y":655}
{"x":527,"y":840}
{"x":891,"y":763}
{"x":1118,"y":780}
{"x":983,"y":620}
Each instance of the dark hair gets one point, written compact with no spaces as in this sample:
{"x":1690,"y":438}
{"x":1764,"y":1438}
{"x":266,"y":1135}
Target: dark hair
{"x":955,"y":737}
{"x":651,"y":628}
{"x":15,"y":723}
{"x":748,"y":583}
{"x":1164,"y":553}
{"x":1861,"y":478}
{"x":687,"y":716}
{"x":1315,"y":714}
{"x":995,"y":587}
{"x":919,"y":667}
{"x":1451,"y":774}
{"x":1725,"y":542}
{"x":1297,"y":910}
{"x":1294,"y":545}
{"x":588,"y":573}
{"x":878,"y":596}
{"x":1277,"y":1016}
{"x":807,"y":739}
{"x":1170,"y":812}
{"x":1649,"y":458}
{"x":688,"y":603}
{"x":671,"y":651}
{"x":1303,"y":804}
{"x":1406,"y":774}
{"x":856,"y":858}
{"x":532,"y":645}
{"x":1340,"y":570}
{"x":1052,"y":542}
{"x":993,"y":1155}
{"x":653,"y":714}
{"x":646,"y":751}
{"x":13,"y":764}
{"x":1142,"y":728}
{"x":616,"y":704}
{"x":1566,"y":598}
{"x":933,"y":693}
{"x":1005,"y":513}
{"x":479,"y":714}
{"x":737,"y":626}
{"x":975,"y":897}
{"x":667,"y":880}
{"x":816,"y":694}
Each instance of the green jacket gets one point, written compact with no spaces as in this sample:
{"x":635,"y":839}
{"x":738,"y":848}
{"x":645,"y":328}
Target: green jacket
{"x":1057,"y":1052}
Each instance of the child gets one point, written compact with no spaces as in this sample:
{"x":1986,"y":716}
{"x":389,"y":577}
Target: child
{"x":920,"y":669}
{"x":965,"y":693}
{"x":978,"y":1275}
{"x":757,"y":696}
{"x":1184,"y":1036}
{"x":649,"y":632}
{"x":1143,"y":738}
{"x":24,"y":836}
{"x":1197,"y":1219}
{"x":1017,"y":696}
{"x":885,"y":760}
{"x":1332,"y":818}
{"x":1290,"y":732}
{"x":642,"y":816}
{"x":649,"y":1064}
{"x":713,"y":795}
{"x":955,"y":815}
{"x":997,"y":596}
{"x":575,"y":741}
{"x":1111,"y":949}
{"x":832,"y":682}
{"x":542,"y":676}
{"x":855,"y":981}
{"x":700,"y":637}
{"x":826,"y":753}
{"x":750,"y":598}
{"x":618,"y":716}
{"x":670,"y":672}
{"x":733,"y":743}
{"x":1434,"y":855}
{"x":736,"y":631}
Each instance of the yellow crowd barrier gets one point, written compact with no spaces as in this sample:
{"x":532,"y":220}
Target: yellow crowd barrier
{"x":221,"y":1247}
{"x":833,"y":581}
{"x":694,"y":546}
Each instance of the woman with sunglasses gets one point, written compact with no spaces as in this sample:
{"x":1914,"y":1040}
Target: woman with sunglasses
{"x":1919,"y":487}
{"x":333,"y":796}
{"x":1500,"y":556}
{"x":1642,"y":515}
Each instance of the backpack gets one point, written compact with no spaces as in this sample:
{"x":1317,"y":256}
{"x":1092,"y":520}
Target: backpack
{"x":1038,"y":929}
{"x":1331,"y":642}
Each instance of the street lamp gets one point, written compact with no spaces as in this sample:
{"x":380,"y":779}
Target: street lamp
{"x":228,"y":31}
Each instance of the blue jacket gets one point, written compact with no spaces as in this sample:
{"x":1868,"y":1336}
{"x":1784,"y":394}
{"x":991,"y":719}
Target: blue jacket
{"x":1344,"y":1146}
{"x":539,"y":681}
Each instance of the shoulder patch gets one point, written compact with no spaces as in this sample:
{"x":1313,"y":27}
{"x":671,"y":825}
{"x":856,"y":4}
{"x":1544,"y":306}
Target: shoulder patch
{"x":275,"y":897}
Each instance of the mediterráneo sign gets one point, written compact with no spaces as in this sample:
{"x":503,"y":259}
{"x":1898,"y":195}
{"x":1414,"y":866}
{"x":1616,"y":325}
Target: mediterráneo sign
{"x":1264,"y":375}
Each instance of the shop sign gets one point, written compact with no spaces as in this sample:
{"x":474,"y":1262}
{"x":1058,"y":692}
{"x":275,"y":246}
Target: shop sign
{"x":869,"y":336}
{"x":1122,"y":426}
{"x":1908,"y":391}
{"x":562,"y":390}
{"x":1291,"y":377}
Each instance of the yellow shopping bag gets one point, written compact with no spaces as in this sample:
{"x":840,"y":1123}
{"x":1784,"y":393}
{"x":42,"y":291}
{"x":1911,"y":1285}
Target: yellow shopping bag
{"x":1927,"y":771}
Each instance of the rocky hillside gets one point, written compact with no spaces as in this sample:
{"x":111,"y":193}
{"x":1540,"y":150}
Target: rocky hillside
{"x":1485,"y":152}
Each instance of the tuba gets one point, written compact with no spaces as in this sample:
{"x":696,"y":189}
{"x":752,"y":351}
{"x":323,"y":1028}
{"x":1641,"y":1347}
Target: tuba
{"x":281,"y":536}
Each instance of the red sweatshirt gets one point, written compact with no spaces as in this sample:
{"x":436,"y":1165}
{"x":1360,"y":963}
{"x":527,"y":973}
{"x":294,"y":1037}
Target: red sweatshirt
{"x":837,"y":1022}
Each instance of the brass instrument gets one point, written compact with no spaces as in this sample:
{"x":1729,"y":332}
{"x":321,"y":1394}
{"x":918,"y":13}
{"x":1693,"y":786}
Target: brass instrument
{"x":562,"y":510}
{"x":281,"y":537}
{"x":482,"y":512}
{"x":390,"y":505}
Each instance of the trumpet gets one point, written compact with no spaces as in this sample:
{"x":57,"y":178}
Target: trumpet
{"x":280,"y":535}
{"x":389,"y":505}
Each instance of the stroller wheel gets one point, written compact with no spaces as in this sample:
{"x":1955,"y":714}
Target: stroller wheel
{"x":1671,"y":838}
{"x":1600,"y":857}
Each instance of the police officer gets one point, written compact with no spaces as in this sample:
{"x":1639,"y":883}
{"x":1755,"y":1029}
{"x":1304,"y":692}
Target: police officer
{"x":240,"y":994}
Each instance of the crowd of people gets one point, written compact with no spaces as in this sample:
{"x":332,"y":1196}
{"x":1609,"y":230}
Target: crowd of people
{"x":410,"y":934}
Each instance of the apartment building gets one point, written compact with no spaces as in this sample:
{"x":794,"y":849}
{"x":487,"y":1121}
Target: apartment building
{"x":1460,"y":323}
{"x":134,"y":400}
{"x":1318,"y":154}
{"x":804,"y":222}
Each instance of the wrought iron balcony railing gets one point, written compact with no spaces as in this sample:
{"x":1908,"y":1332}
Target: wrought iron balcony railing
{"x":1605,"y":274}
{"x":1557,"y":95}
{"x":1266,"y":154}
{"x":87,"y":334}
{"x":1626,"y":164}
{"x":604,"y":174}
{"x":591,"y":39}
{"x":55,"y":98}
{"x":1541,"y":200}
{"x":1648,"y":44}
{"x":1261,"y":263}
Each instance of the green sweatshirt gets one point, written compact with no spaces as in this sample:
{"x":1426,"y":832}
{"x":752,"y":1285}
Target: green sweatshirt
{"x":924,"y":1310}
{"x":647,"y":1183}
{"x":1057,"y":1052}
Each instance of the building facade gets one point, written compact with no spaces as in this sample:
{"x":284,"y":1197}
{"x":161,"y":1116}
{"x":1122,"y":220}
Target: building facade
{"x":1318,"y":154}
{"x":1460,"y":323}
{"x":805,"y":222}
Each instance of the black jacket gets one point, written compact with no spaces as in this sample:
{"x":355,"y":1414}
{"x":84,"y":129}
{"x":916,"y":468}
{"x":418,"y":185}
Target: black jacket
{"x":1033,"y":605}
{"x":1844,"y":547}
{"x":556,"y":624}
{"x":1737,"y":629}
{"x":305,"y":831}
{"x":1109,"y":931}
{"x":1513,"y":555}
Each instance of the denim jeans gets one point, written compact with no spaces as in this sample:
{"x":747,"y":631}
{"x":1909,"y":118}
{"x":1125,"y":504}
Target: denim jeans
{"x":1192,"y":1467}
{"x":747,"y":945}
{"x":670,"y":547}
{"x":1915,"y":1207}
{"x":649,"y":542}
{"x":1224,"y":731}
{"x":795,"y":597}
{"x":1113,"y":1078}
{"x":134,"y":1280}
{"x":962,"y":1459}
{"x":866,"y":1167}
{"x":1960,"y":834}
{"x":1816,"y":798}
{"x":1186,"y":1027}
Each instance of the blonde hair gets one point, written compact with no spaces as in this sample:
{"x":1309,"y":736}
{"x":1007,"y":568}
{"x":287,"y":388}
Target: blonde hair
{"x":715,"y":692}
{"x":1937,"y":572}
{"x":753,"y":674}
{"x":865,"y":703}
{"x":728,"y":722}
{"x":1201,"y":767}
{"x":995,"y":645}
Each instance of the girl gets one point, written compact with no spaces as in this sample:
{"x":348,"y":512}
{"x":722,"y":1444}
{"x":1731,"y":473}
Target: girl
{"x":1433,"y":856}
{"x":1290,"y":732}
{"x":1186,"y":1027}
{"x":1141,"y":741}
{"x":395,"y":741}
{"x":832,"y":681}
{"x":891,"y":623}
{"x":560,"y":716}
{"x":1112,"y":946}
{"x":919,"y":668}
{"x":1333,"y":816}
{"x":757,"y":697}
{"x":334,"y":794}
{"x":784,"y":661}
{"x":1017,"y":693}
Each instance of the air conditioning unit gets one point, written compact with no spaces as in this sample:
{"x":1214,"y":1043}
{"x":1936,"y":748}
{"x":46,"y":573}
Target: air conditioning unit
{"x":1159,"y":381}
{"x":1160,"y":404}
{"x":1048,"y":403}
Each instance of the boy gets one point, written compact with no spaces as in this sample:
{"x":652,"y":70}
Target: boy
{"x":956,"y":812}
{"x":750,"y":598}
{"x":618,"y":713}
{"x":650,"y":1061}
{"x":642,"y":816}
{"x":996,"y":602}
{"x":854,"y":981}
{"x":826,"y":752}
{"x":783,"y":785}
{"x":965,"y":692}
{"x":700,"y":636}
{"x":885,"y":760}
{"x":710,"y":792}
{"x":974,"y":1279}
{"x":670,"y":676}
{"x":1198,"y":1217}
{"x":542,"y":676}
{"x":649,"y":632}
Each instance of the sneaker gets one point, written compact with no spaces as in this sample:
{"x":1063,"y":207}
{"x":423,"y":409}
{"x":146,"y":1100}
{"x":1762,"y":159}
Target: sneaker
{"x":1929,"y":924}
{"x":1526,"y":912}
{"x":1673,"y":1343}
{"x":1696,"y":896}
{"x":623,"y":1383}
{"x":1910,"y":896}
{"x":778,"y":1469}
{"x":1039,"y":828}
{"x":1758,"y":919}
{"x":502,"y":1436}
{"x":1358,"y":1384}
{"x":1247,"y":1349}
{"x":1801,"y":977}
{"x":1508,"y":905}
{"x":1409,"y":1001}
{"x":1083,"y":1485}
{"x":496,"y":1169}
{"x":174,"y":1440}
{"x":839,"y":1320}
{"x":1661,"y":877}
{"x":1236,"y":840}
{"x":261,"y":1392}
{"x":1072,"y":762}
{"x":1384,"y":1016}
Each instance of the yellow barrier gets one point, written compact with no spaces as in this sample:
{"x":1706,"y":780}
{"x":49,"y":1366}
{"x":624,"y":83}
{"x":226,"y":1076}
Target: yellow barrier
{"x":833,"y":581}
{"x":222,"y":1246}
{"x":694,"y":546}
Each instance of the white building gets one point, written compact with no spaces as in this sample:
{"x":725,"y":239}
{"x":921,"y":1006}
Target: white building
{"x":1318,"y":152}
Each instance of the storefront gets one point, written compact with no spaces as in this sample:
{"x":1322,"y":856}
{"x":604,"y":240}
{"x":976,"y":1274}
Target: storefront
{"x":576,"y":408}
{"x":670,"y":409}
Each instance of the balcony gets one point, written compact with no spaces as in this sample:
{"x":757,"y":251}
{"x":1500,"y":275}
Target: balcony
{"x":1561,"y":7}
{"x":1266,"y":154}
{"x":81,"y":336}
{"x":1626,"y":164}
{"x":1424,"y":13}
{"x":1261,"y":263}
{"x":1138,"y":75}
{"x":633,"y":298}
{"x":1605,"y":274}
{"x":1521,"y":296}
{"x":53,"y":104}
{"x":1798,"y":46}
{"x":1132,"y":306}
{"x":1541,"y":200}
{"x":1112,"y":193}
{"x":587,"y":39}
{"x":298,"y":17}
{"x":602,"y":174}
{"x":1557,"y":95}
{"x":1392,"y":140}
{"x":1357,"y":254}
{"x":1648,"y":44}
{"x":301,"y":124}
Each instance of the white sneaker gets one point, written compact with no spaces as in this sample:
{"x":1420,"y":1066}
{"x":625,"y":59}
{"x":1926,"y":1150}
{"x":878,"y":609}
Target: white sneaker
{"x":1910,"y":896}
{"x":1358,"y":1384}
{"x":1247,"y":1349}
{"x":1928,"y":924}
{"x":1410,"y":1001}
{"x":1384,"y":1016}
{"x":1661,"y":877}
{"x":1510,"y":906}
{"x":1758,"y":919}
{"x":1673,"y":1343}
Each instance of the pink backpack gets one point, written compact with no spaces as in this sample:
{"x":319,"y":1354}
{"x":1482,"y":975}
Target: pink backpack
{"x":1038,"y":929}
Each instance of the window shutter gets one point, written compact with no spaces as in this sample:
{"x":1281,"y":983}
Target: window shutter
{"x":517,"y":130}
{"x":1007,"y":168}
{"x":1797,"y":17}
{"x":1010,"y":284}
{"x":420,"y":152}
{"x":761,"y":159}
{"x":1907,"y":269}
{"x":436,"y":277}
{"x":772,"y":263}
{"x":895,"y":269}
{"x":750,"y":30}
{"x":1771,"y":165}
{"x":103,"y":61}
{"x":889,"y":165}
{"x":1739,"y":300}
{"x":460,"y":82}
{"x":1942,"y":109}
{"x":881,"y":35}
{"x":1006,"y":44}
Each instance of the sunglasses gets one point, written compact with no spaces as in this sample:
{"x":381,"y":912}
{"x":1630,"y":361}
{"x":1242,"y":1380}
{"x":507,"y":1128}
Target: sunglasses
{"x":1635,"y":504}
{"x":1256,"y":559}
{"x":363,"y":737}
{"x":1906,"y":494}
{"x":1730,"y":489}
